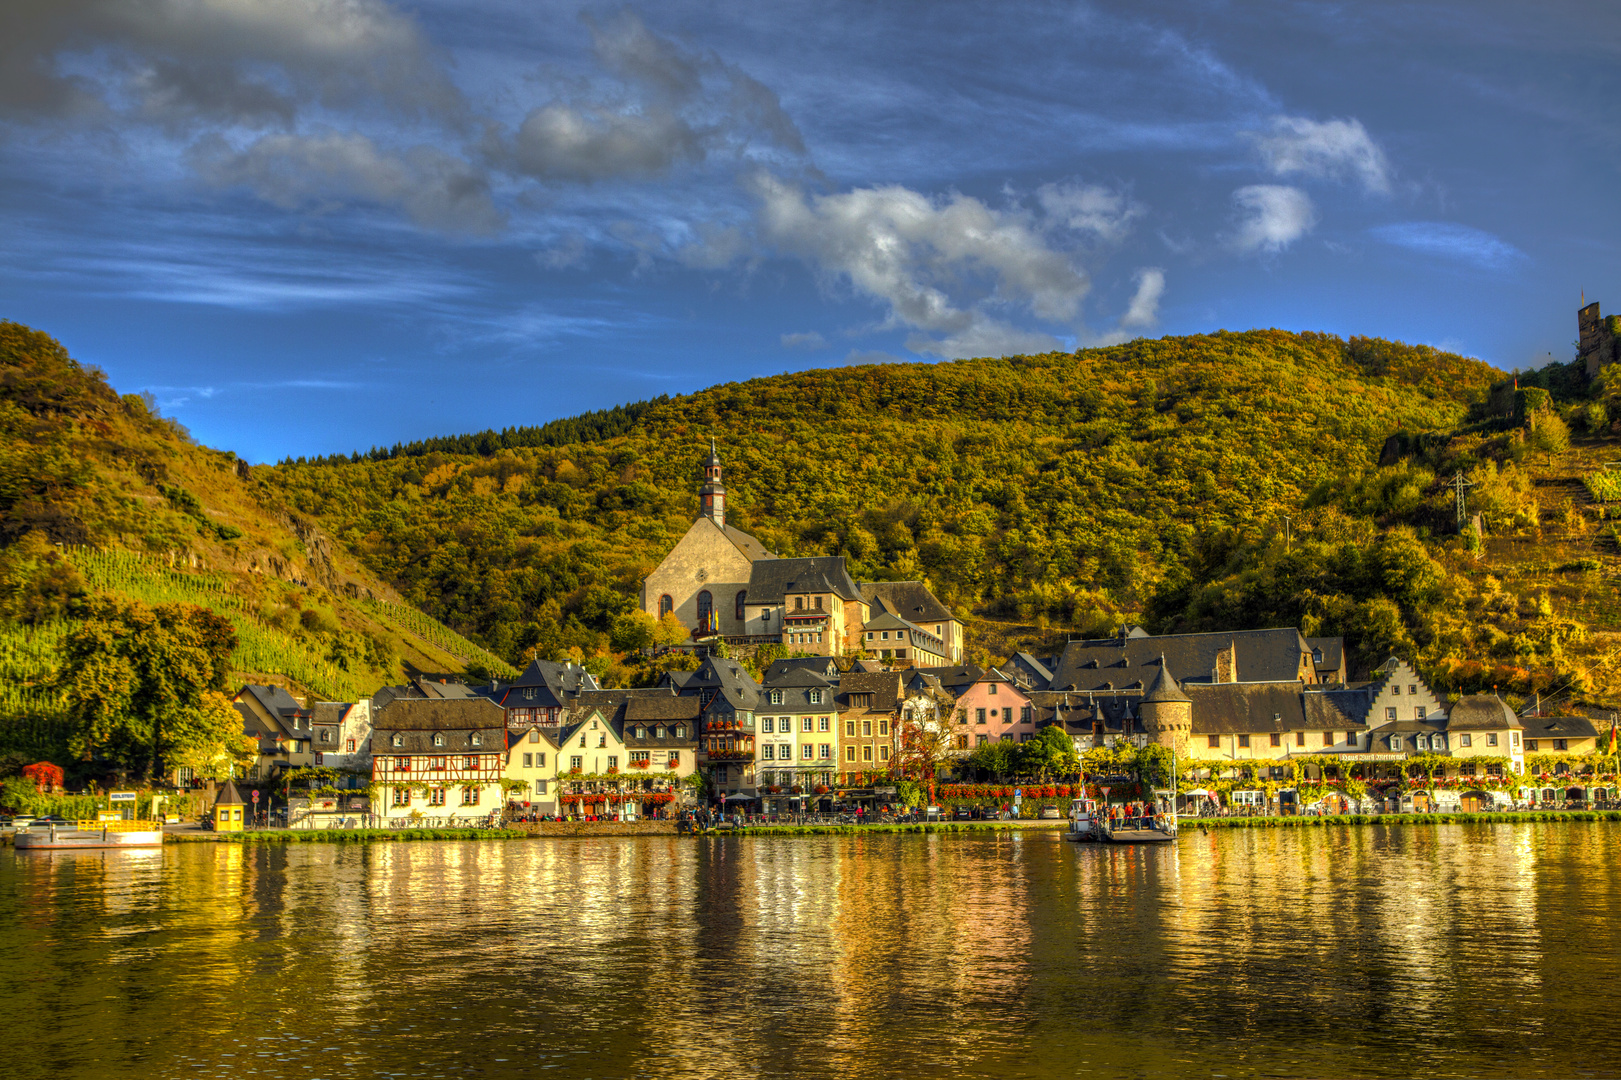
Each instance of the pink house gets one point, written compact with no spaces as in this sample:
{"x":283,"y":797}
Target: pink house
{"x":992,"y":709}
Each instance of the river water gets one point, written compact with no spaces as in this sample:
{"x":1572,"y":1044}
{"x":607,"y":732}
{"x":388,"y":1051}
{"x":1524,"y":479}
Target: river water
{"x":1462,"y":950}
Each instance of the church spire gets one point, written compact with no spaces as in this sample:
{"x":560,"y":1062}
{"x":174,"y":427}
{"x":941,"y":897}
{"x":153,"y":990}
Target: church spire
{"x":712,"y":496}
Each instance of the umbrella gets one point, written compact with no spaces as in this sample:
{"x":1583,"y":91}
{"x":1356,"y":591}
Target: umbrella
{"x":1196,"y":791}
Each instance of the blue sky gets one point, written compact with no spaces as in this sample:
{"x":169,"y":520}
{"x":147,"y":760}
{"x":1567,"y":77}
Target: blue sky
{"x":310,"y":226}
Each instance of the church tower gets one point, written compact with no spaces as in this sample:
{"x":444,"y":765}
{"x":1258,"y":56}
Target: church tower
{"x":712,"y":496}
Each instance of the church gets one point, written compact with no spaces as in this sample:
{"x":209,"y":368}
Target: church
{"x":724,"y":584}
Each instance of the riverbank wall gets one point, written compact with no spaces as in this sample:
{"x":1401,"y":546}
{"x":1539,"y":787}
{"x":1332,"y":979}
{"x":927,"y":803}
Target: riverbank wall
{"x":1459,"y":818}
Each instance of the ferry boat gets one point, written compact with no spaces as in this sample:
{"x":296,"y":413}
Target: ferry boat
{"x":1082,"y":822}
{"x":89,"y":835}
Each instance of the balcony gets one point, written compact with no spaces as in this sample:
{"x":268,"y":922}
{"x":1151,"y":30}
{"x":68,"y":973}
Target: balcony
{"x":732,"y":754}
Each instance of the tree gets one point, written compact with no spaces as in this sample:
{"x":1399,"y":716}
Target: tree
{"x":136,"y":680}
{"x":999,"y":759}
{"x":670,"y":631}
{"x":1051,"y":753}
{"x":924,"y":738}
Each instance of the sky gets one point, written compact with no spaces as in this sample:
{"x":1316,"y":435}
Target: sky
{"x":316,"y":226}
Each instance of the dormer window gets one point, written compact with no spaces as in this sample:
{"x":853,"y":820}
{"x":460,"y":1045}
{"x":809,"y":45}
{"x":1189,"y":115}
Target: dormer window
{"x":1395,"y":742}
{"x":529,"y":693}
{"x":438,"y":739}
{"x":658,"y":731}
{"x":641,"y":732}
{"x":776,"y":697}
{"x":680,"y":731}
{"x":478,"y":740}
{"x":398,"y":740}
{"x":816,"y":697}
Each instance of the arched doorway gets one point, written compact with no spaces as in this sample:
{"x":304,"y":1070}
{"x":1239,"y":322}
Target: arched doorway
{"x":706,"y":613}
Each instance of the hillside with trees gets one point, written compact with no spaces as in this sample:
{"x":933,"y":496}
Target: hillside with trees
{"x":1209,"y":482}
{"x":111,"y":517}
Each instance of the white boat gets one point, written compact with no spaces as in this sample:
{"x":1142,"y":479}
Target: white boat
{"x":1083,"y":823}
{"x":88,"y":835}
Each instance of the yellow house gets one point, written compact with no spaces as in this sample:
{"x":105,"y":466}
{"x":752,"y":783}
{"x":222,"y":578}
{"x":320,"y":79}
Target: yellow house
{"x":532,"y":762}
{"x":1561,"y":735}
{"x":228,"y":809}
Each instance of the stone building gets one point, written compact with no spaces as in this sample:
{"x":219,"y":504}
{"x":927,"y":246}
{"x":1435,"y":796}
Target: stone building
{"x":1598,"y":339}
{"x":722,"y":582}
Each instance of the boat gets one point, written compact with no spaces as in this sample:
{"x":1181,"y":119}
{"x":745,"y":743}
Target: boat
{"x":1159,"y":829}
{"x":89,"y":835}
{"x":1082,"y":822}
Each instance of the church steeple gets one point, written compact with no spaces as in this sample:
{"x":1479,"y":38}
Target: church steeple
{"x":712,"y":496}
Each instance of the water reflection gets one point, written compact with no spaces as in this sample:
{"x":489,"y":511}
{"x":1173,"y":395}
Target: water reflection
{"x":1455,"y":950}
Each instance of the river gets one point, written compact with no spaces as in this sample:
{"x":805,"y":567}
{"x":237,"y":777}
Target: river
{"x":1455,"y":950}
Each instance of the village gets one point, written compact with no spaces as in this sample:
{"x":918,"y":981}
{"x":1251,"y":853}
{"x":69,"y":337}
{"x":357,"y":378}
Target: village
{"x":875,"y":711}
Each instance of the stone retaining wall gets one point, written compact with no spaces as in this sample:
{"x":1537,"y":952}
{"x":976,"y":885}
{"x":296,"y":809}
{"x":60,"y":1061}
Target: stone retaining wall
{"x":596,"y":828}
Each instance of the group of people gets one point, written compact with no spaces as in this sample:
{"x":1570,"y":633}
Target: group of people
{"x":1120,"y":813}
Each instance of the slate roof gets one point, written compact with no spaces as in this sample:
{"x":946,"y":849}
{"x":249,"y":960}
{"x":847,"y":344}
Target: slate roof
{"x":910,"y":600}
{"x":1117,"y":663}
{"x":649,"y":706}
{"x":275,"y":700}
{"x":229,"y":795}
{"x":562,"y":680}
{"x":1333,"y":650}
{"x":1561,"y":727}
{"x":752,"y":549}
{"x":770,"y":579}
{"x":1037,"y":671}
{"x":955,"y":678}
{"x":797,"y":677}
{"x":1481,"y":712}
{"x":1164,"y":688}
{"x":885,"y":688}
{"x":1246,"y":708}
{"x":1342,"y":707}
{"x":824,"y":665}
{"x":417,"y":719}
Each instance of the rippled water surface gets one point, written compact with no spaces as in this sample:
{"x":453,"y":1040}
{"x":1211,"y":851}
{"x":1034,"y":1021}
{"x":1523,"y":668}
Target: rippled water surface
{"x":1430,"y":950}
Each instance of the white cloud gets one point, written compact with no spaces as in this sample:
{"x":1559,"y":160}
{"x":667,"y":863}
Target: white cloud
{"x":938,"y":265}
{"x":1275,"y":217}
{"x":1088,"y":208}
{"x":438,"y":190}
{"x":1460,"y":243}
{"x":1328,"y":149}
{"x":809,"y":339}
{"x":1144,"y":306}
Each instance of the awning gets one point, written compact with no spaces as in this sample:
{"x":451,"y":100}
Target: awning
{"x":1196,"y":791}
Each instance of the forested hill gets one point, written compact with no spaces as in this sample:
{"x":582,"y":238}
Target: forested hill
{"x":99,"y":494}
{"x":1064,"y":490}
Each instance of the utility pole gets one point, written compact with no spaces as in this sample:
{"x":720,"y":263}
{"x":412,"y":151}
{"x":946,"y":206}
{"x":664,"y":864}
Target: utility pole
{"x":1288,"y":534}
{"x":1459,"y":485}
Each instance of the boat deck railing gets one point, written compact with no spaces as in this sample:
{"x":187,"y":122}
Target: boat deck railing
{"x":118,"y":826}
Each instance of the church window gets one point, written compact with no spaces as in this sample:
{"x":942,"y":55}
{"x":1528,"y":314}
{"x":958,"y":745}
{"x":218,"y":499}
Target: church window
{"x":742,"y":597}
{"x":706,"y":610}
{"x":666,"y":605}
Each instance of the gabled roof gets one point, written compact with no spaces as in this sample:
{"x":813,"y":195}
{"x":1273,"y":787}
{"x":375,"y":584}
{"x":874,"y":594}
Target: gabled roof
{"x":1108,"y":663}
{"x":274,"y":700}
{"x":911,"y":600}
{"x":1038,"y":671}
{"x":438,"y":714}
{"x":1561,"y":727}
{"x":1332,"y":650}
{"x":797,"y":677}
{"x":884,"y":686}
{"x":563,"y":679}
{"x":771,"y":579}
{"x":824,"y":665}
{"x":955,"y":678}
{"x":1246,"y":708}
{"x":1480,"y":711}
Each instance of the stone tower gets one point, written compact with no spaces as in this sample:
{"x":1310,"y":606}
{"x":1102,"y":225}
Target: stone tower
{"x":1166,"y":712}
{"x":1597,"y":346}
{"x":712,"y":496}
